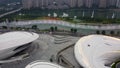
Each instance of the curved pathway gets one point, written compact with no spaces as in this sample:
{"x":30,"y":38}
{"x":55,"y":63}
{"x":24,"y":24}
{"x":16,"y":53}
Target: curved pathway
{"x":64,"y":23}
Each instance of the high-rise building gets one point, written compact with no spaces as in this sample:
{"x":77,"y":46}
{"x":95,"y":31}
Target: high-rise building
{"x":47,"y":3}
{"x":27,"y":3}
{"x":41,"y":3}
{"x":61,"y":4}
{"x":95,"y":3}
{"x":118,"y":3}
{"x":73,"y":3}
{"x":37,"y":3}
{"x":112,"y":3}
{"x":34,"y":3}
{"x":102,"y":3}
{"x":88,"y":3}
{"x":70,"y":3}
{"x":80,"y":3}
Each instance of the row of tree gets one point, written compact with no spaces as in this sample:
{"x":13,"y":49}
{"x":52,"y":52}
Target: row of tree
{"x":52,"y":29}
{"x":104,"y":32}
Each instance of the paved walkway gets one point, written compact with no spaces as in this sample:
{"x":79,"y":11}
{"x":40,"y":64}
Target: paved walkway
{"x":46,"y":49}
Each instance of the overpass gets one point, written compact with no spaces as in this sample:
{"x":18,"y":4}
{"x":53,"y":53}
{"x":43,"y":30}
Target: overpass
{"x":2,"y":15}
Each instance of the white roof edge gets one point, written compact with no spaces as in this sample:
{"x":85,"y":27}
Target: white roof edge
{"x":16,"y":38}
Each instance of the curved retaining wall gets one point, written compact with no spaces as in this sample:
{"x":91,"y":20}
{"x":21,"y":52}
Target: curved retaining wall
{"x":82,"y":28}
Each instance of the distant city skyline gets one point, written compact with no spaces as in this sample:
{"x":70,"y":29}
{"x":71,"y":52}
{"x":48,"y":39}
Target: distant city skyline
{"x":62,"y":4}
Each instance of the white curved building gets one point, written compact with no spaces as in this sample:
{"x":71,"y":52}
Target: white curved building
{"x":40,"y":64}
{"x":97,"y":51}
{"x":14,"y":42}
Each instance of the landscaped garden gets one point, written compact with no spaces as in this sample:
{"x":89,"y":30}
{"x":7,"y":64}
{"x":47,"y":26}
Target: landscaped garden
{"x":74,"y":15}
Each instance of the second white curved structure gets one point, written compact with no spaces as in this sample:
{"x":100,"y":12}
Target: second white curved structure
{"x":97,"y":51}
{"x":40,"y":64}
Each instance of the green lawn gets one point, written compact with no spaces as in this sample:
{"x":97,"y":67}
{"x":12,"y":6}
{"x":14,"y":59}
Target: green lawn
{"x":37,"y":14}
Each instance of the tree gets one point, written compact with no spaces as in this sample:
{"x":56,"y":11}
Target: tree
{"x":97,"y":32}
{"x":56,"y":28}
{"x":18,"y":28}
{"x":103,"y":32}
{"x":71,"y":30}
{"x":11,"y":27}
{"x":118,"y":33}
{"x":34,"y":27}
{"x":112,"y":32}
{"x":4,"y":27}
{"x":75,"y":30}
{"x":52,"y":29}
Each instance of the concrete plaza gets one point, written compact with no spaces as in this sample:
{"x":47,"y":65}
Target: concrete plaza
{"x":43,"y":49}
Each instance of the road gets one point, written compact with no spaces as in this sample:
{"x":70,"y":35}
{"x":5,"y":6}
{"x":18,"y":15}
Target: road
{"x":2,"y":15}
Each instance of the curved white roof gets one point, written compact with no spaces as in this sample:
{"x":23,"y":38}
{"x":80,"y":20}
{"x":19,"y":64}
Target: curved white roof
{"x":39,"y":64}
{"x":17,"y":38}
{"x":97,"y":51}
